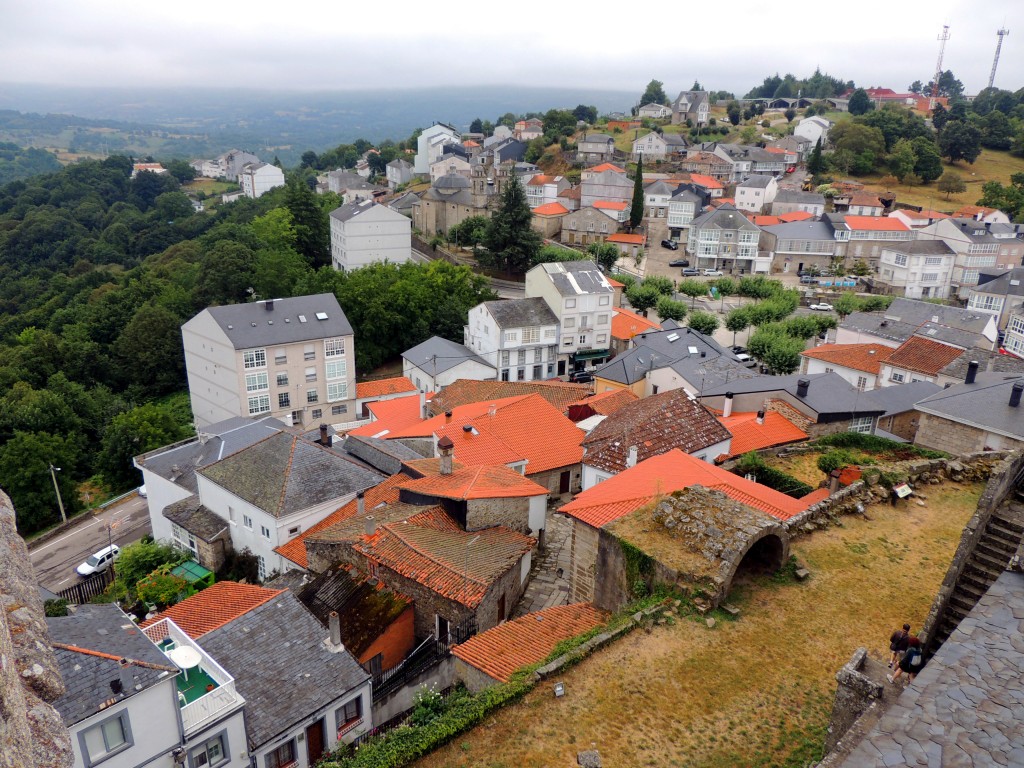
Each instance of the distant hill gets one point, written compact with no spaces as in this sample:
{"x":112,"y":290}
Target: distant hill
{"x":17,"y":163}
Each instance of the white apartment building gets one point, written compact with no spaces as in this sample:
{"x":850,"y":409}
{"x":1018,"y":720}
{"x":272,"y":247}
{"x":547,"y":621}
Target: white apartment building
{"x":519,"y":337}
{"x":756,"y":193}
{"x":725,"y":239}
{"x":430,"y":146}
{"x":258,"y":178}
{"x":682,"y":210}
{"x":580,"y":296}
{"x":979,"y":247}
{"x":919,"y":269}
{"x":364,"y":232}
{"x":290,"y":358}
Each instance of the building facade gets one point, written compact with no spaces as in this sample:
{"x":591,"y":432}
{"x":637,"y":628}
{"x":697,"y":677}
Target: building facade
{"x":365,"y":232}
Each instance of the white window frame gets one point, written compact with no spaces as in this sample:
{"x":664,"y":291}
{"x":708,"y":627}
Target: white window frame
{"x":183,"y":537}
{"x":336,"y":369}
{"x":257,"y":382}
{"x":259,"y":404}
{"x":247,"y":521}
{"x":862,"y":424}
{"x":199,"y":755}
{"x":337,"y":390}
{"x":91,"y":745}
{"x":265,"y":532}
{"x":254,"y":358}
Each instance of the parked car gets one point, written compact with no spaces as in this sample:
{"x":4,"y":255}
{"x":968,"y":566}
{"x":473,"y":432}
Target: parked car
{"x":142,"y":491}
{"x":822,"y":307}
{"x":808,"y":279}
{"x":672,"y":245}
{"x":738,"y":348}
{"x":99,"y":561}
{"x":581,"y":377}
{"x":679,"y":263}
{"x":713,"y":273}
{"x":690,"y":272}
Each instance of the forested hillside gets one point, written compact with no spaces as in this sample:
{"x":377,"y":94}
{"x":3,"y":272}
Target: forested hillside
{"x":97,"y":273}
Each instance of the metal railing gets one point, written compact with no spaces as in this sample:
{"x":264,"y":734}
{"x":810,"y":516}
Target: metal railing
{"x":83,"y":592}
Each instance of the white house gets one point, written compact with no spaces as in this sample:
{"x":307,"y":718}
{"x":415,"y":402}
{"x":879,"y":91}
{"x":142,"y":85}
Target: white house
{"x":519,"y":337}
{"x":655,"y":111}
{"x":365,"y":232}
{"x":542,"y":189}
{"x":437,"y":362}
{"x":920,"y":269}
{"x":259,"y":178}
{"x":653,"y":146}
{"x":656,"y":199}
{"x":756,"y":193}
{"x":858,"y":364}
{"x":430,"y":145}
{"x":682,"y":209}
{"x":398,"y":172}
{"x":813,"y":128}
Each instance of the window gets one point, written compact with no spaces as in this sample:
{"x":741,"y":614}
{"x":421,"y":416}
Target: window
{"x":317,"y":413}
{"x":183,"y":537}
{"x":550,"y":333}
{"x":933,"y":261}
{"x":107,"y":738}
{"x":349,"y":714}
{"x":897,"y":377}
{"x":930,"y":277}
{"x":570,"y":303}
{"x":583,"y":339}
{"x":308,"y":353}
{"x":602,"y":338}
{"x":504,"y":374}
{"x":259,"y":404}
{"x":520,"y":374}
{"x":211,"y":753}
{"x":280,"y":358}
{"x":602,"y":319}
{"x":283,"y":755}
{"x":282,"y":379}
{"x":570,"y":322}
{"x":257,"y":382}
{"x":337,"y":390}
{"x":310,"y":374}
{"x":511,"y":335}
{"x":521,"y":357}
{"x":585,"y":321}
{"x":531,"y":335}
{"x":337,"y":369}
{"x":862,"y":383}
{"x":567,"y":341}
{"x":265,"y":531}
{"x":247,"y":521}
{"x":334,"y":347}
{"x":862,"y":425}
{"x":312,"y":396}
{"x":986,"y":302}
{"x":338,"y":410}
{"x":538,"y":355}
{"x":255,"y":358}
{"x":263,"y":575}
{"x":504,"y":357}
{"x":283,"y":400}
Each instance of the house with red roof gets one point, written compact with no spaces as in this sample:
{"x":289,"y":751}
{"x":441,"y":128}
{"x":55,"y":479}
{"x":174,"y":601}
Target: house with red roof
{"x":628,"y":244}
{"x":544,"y":188}
{"x":625,"y":325}
{"x":368,"y":392}
{"x":561,"y":394}
{"x":917,"y":219}
{"x":547,"y":218}
{"x":859,"y":364}
{"x":587,"y":225}
{"x":754,"y":431}
{"x":918,"y":359}
{"x":862,"y":238}
{"x":616,"y":210}
{"x":865,"y":204}
{"x":982,"y":214}
{"x":587,"y":173}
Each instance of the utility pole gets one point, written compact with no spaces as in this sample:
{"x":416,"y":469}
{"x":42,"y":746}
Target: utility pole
{"x":995,"y":62}
{"x":60,"y":502}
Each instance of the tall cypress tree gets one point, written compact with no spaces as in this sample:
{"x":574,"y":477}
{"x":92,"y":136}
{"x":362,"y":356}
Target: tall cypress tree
{"x":815,"y":165}
{"x":312,"y":229}
{"x":636,"y":211}
{"x":510,"y":238}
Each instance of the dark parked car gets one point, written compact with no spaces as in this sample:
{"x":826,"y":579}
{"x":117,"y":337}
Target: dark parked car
{"x":581,"y":377}
{"x":690,"y":272}
{"x":679,"y":263}
{"x":672,"y":245}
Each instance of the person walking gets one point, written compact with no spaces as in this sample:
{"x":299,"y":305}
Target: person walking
{"x":911,"y":662}
{"x":898,"y":644}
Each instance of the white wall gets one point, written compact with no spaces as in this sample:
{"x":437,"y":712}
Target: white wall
{"x":210,"y":361}
{"x":537,"y":516}
{"x":849,"y":374}
{"x":372,"y":235}
{"x":467,"y":370}
{"x":236,"y":748}
{"x":160,"y":493}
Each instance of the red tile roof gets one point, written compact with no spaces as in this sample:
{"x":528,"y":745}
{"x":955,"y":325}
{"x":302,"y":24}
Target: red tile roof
{"x":865,"y":199}
{"x":672,"y":471}
{"x":796,"y":216}
{"x":560,"y":394}
{"x":860,"y":357}
{"x":615,"y":283}
{"x":607,"y":403}
{"x":470,"y":143}
{"x":383,"y":387}
{"x":606,"y":167}
{"x":392,"y":415}
{"x":573,"y":193}
{"x":925,"y":215}
{"x":923,"y":355}
{"x":748,"y":435}
{"x":624,"y":238}
{"x":431,"y":549}
{"x":540,"y":179}
{"x":626,"y":324}
{"x":764,"y":221}
{"x":875,"y":224}
{"x":611,"y":205}
{"x":970,"y":211}
{"x":550,"y":209}
{"x":500,"y":651}
{"x":214,"y":607}
{"x":706,"y":181}
{"x":479,"y":482}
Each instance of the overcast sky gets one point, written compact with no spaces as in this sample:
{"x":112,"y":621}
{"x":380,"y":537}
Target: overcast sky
{"x":345,"y":44}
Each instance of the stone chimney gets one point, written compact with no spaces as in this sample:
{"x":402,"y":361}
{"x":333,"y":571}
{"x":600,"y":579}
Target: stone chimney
{"x":334,"y":625}
{"x":124,"y":675}
{"x":972,"y":371}
{"x":760,"y":417}
{"x":727,"y":408}
{"x":360,"y":503}
{"x":371,"y":525}
{"x":423,"y":405}
{"x":802,"y":385}
{"x":632,"y":456}
{"x":445,"y":449}
{"x":447,"y":417}
{"x":325,"y":437}
{"x":1015,"y":394}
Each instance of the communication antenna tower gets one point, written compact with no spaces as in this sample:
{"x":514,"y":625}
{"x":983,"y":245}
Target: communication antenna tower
{"x":995,"y":62}
{"x":938,"y":65}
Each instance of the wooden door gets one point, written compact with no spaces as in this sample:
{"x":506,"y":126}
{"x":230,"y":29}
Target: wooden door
{"x":563,"y":482}
{"x":315,"y":742}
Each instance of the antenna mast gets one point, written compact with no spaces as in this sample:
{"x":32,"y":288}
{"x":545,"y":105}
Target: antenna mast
{"x":938,"y":65}
{"x":995,"y":62}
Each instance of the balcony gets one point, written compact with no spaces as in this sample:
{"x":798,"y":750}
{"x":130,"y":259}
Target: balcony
{"x":206,"y":692}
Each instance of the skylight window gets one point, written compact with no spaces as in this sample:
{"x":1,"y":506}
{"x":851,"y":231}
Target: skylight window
{"x":302,"y":318}
{"x":692,"y":350}
{"x":321,"y":315}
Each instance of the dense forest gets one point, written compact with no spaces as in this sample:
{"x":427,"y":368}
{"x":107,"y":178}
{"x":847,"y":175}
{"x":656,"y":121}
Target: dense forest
{"x":97,"y":273}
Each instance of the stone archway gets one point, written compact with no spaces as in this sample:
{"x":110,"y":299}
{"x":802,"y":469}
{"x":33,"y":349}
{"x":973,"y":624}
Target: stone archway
{"x":764,"y":555}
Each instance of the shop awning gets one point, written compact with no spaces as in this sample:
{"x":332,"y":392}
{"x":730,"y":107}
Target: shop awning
{"x":591,"y":354}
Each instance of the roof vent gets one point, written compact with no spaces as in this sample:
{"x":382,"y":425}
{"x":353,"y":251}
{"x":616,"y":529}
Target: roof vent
{"x":231,"y":327}
{"x":321,"y":315}
{"x":972,"y":371}
{"x":253,"y":325}
{"x":467,"y":428}
{"x":269,"y":305}
{"x":802,"y":385}
{"x":1015,"y":394}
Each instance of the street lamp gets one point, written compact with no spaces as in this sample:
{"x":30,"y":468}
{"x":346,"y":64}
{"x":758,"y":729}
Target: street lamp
{"x":60,"y":502}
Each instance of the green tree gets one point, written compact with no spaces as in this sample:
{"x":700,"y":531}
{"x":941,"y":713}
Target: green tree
{"x":815,"y":164}
{"x":960,"y":141}
{"x":789,"y":114}
{"x":139,"y":560}
{"x":161,"y":588}
{"x":510,"y":238}
{"x":670,"y":309}
{"x":477,"y":126}
{"x":276,"y":273}
{"x":929,"y":161}
{"x":661,"y":284}
{"x":25,"y":461}
{"x":951,"y":183}
{"x":860,"y":102}
{"x":605,"y":255}
{"x":857,"y":138}
{"x":636,"y":209}
{"x":732,"y":111}
{"x":694,"y":289}
{"x":470,"y":231}
{"x":585,"y":113}
{"x":312,"y":229}
{"x":703,"y":322}
{"x":783,"y":356}
{"x":225,"y":274}
{"x":902,"y":159}
{"x":996,"y":131}
{"x":846,"y":304}
{"x":275,"y":229}
{"x":133,"y":433}
{"x":642,"y":297}
{"x":1008,"y":198}
{"x":654,"y":93}
{"x":149,"y":352}
{"x":737,"y":320}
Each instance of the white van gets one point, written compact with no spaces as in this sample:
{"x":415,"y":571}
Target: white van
{"x":99,"y":561}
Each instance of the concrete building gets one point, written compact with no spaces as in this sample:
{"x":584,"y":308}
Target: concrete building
{"x":794,"y":201}
{"x":756,"y":193}
{"x":813,"y":129}
{"x":980,"y":246}
{"x":438,"y":362}
{"x":365,"y":232}
{"x":519,"y":337}
{"x":723,"y":238}
{"x":398,"y":172}
{"x":289,"y":358}
{"x":919,"y":269}
{"x":430,"y":146}
{"x":259,"y":178}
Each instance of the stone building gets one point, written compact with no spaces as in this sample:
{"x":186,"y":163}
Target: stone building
{"x":447,"y":203}
{"x":982,"y":414}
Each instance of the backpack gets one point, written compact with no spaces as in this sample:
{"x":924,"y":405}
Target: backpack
{"x":914,"y":657}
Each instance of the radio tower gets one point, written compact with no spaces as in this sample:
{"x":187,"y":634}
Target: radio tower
{"x":938,"y":65}
{"x":995,"y":62}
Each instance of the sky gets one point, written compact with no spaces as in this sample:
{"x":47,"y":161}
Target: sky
{"x":344,"y":45}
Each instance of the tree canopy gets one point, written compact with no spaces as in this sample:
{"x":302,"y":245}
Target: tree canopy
{"x":511,"y":240}
{"x":654,"y":93}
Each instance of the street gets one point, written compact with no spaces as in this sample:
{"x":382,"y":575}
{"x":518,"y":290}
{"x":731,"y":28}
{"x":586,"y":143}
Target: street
{"x":55,"y":561}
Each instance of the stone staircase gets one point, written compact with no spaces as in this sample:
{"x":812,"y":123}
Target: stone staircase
{"x":991,"y":555}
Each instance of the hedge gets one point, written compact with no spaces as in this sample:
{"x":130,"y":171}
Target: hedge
{"x":771,"y":477}
{"x":875,"y":444}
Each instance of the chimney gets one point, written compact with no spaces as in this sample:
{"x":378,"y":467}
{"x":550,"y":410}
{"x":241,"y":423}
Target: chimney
{"x":360,"y":504}
{"x":801,"y":387}
{"x":727,"y":408}
{"x":1015,"y":394}
{"x":269,"y":305}
{"x":760,"y":417}
{"x":334,"y":625}
{"x":445,"y":447}
{"x":423,"y":405}
{"x":631,"y":458}
{"x":371,"y":524}
{"x":447,"y":417}
{"x":325,"y":438}
{"x":125,"y":676}
{"x":972,"y":371}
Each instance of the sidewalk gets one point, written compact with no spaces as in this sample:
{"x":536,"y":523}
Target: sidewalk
{"x":547,"y":587}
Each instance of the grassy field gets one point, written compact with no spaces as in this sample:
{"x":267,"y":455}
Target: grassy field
{"x":209,"y":187}
{"x":752,"y":692}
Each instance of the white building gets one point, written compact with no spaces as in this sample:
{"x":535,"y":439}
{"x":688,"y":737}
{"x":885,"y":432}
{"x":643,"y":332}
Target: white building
{"x":519,"y":337}
{"x":259,"y":178}
{"x":683,"y":208}
{"x":450,"y":163}
{"x":430,"y":145}
{"x":756,"y":193}
{"x":813,"y":128}
{"x":438,"y":362}
{"x":920,"y":269}
{"x":365,"y":232}
{"x":398,"y":172}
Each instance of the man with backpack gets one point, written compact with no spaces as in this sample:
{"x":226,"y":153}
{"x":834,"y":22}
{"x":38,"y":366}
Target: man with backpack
{"x":911,"y":662}
{"x":898,"y":644}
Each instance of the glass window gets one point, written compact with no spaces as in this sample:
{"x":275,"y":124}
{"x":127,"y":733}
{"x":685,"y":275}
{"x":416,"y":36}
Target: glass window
{"x":284,"y":400}
{"x":897,"y":377}
{"x":283,"y":755}
{"x":107,"y":738}
{"x":259,"y":404}
{"x":256,"y":382}
{"x":348,"y":715}
{"x":317,"y":413}
{"x":311,"y":374}
{"x":210,"y":754}
{"x":336,"y":390}
{"x":312,"y":396}
{"x":282,"y":379}
{"x":338,"y":410}
{"x":265,"y":531}
{"x":308,"y":352}
{"x":862,"y":425}
{"x":334,"y":347}
{"x":255,"y":358}
{"x":337,"y":369}
{"x":280,"y":357}
{"x":247,"y":521}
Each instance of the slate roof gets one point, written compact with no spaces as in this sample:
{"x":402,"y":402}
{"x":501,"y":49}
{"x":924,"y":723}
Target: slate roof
{"x":798,"y":196}
{"x":748,"y":435}
{"x":383,"y":455}
{"x":520,"y":313}
{"x":431,"y":549}
{"x":801,"y":230}
{"x":964,"y":707}
{"x":351,"y":210}
{"x":384,"y":387}
{"x":178,"y":462}
{"x":756,"y":182}
{"x":658,"y":187}
{"x":983,"y":405}
{"x":726,"y":216}
{"x":655,"y":424}
{"x":829,"y":394}
{"x":860,"y":357}
{"x":437,"y":355}
{"x":1010,"y":283}
{"x":923,"y":356}
{"x":902,"y":397}
{"x":102,"y":634}
{"x":928,"y":247}
{"x":476,"y":482}
{"x":252,"y":325}
{"x":501,"y":650}
{"x":195,"y":518}
{"x":987,"y":359}
{"x":281,"y":665}
{"x":466,"y":391}
{"x":573,"y":278}
{"x":284,"y":474}
{"x":214,"y":607}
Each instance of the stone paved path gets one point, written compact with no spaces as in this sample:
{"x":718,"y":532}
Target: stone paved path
{"x":546,"y":587}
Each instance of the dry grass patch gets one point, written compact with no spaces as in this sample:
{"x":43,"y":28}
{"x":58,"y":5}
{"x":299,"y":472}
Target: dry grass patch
{"x":802,"y":466}
{"x":752,"y":692}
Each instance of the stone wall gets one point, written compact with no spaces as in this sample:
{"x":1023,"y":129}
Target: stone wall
{"x":31,"y":731}
{"x":583,"y":562}
{"x":402,"y":699}
{"x":902,"y":424}
{"x":551,"y":478}
{"x":475,"y":679}
{"x":944,"y":435}
{"x":513,"y":513}
{"x":211,"y":554}
{"x":855,"y":693}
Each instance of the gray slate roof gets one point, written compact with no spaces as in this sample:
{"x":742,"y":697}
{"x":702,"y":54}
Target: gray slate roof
{"x":573,"y":278}
{"x":756,"y":182}
{"x":904,"y":316}
{"x":902,"y":397}
{"x":725,"y":216}
{"x":195,"y":518}
{"x":987,"y":359}
{"x":178,"y":463}
{"x":383,"y":455}
{"x":801,"y":230}
{"x":985,"y":404}
{"x":253,"y":325}
{"x":104,"y":628}
{"x":658,"y":187}
{"x":964,"y":707}
{"x":277,"y":655}
{"x":285,"y":473}
{"x":928,"y":247}
{"x":437,"y":355}
{"x":829,"y":394}
{"x":351,"y":210}
{"x":1009,"y":283}
{"x":798,"y":196}
{"x":521,"y":313}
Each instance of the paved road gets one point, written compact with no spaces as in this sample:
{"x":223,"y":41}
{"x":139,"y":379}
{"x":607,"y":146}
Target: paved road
{"x":55,"y":561}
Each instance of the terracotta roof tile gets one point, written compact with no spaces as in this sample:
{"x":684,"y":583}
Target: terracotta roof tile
{"x":382,"y":387}
{"x":624,"y":238}
{"x":479,"y":482}
{"x":923,"y":355}
{"x":615,"y":283}
{"x":500,"y":651}
{"x":706,"y":181}
{"x":795,"y":216}
{"x":608,"y":402}
{"x":748,"y":435}
{"x":764,"y":221}
{"x":611,"y":205}
{"x":860,"y":357}
{"x":391,"y":416}
{"x":464,"y":391}
{"x":875,"y":224}
{"x":214,"y":607}
{"x":550,"y":209}
{"x":626,"y":324}
{"x":606,"y":167}
{"x":573,"y":193}
{"x":629,"y":490}
{"x":865,"y":199}
{"x":970,"y":211}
